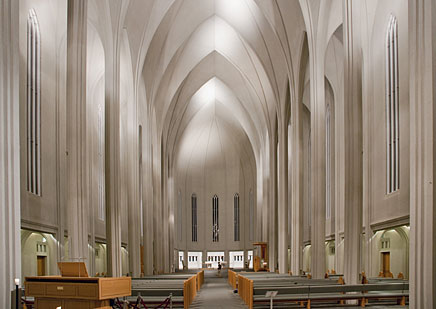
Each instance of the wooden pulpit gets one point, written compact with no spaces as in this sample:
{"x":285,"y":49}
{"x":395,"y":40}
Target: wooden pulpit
{"x":74,"y":289}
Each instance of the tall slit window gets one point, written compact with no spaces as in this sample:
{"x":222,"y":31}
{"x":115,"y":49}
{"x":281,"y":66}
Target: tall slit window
{"x":328,"y":164}
{"x":251,"y":205}
{"x":392,"y":112}
{"x":101,"y":180}
{"x":180,"y":214}
{"x":194,"y":217}
{"x":215,"y":219}
{"x":236,"y":216}
{"x":33,"y":105}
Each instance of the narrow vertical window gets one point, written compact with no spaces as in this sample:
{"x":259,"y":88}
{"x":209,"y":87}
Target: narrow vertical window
{"x":179,"y":214}
{"x":236,"y":216}
{"x":309,"y":183}
{"x":215,"y":219}
{"x":101,"y":180}
{"x":251,"y":206}
{"x":194,"y":216}
{"x":140,"y":179}
{"x":392,"y":112}
{"x":33,"y":105}
{"x":328,"y":164}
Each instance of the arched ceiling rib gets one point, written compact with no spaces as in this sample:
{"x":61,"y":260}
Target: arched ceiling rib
{"x":244,"y":46}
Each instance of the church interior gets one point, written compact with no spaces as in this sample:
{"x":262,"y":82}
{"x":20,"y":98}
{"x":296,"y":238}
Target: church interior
{"x":169,"y":137}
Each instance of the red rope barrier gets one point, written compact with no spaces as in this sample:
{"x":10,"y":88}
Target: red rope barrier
{"x":140,"y":304}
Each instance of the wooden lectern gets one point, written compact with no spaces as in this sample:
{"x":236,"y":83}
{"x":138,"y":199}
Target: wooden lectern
{"x":74,"y":289}
{"x":260,"y":261}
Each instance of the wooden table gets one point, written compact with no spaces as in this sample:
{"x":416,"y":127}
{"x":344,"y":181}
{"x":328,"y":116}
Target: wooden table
{"x":51,"y":292}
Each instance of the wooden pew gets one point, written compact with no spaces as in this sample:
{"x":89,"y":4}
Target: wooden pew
{"x":252,"y":289}
{"x":155,"y":289}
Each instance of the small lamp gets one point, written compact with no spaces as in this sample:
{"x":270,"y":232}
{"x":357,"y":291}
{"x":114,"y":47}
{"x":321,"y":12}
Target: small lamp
{"x":17,"y":285}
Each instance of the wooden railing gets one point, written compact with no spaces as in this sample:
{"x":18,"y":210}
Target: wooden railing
{"x":232,"y":279}
{"x":200,"y":279}
{"x":189,"y":291}
{"x":245,"y":290}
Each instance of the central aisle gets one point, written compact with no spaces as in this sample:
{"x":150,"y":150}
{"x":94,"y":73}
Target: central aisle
{"x":217,"y":293}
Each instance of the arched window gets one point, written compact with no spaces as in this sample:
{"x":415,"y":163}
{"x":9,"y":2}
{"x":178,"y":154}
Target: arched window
{"x":392,"y":112}
{"x":194,"y":217}
{"x":236,"y":216}
{"x":215,"y":221}
{"x":33,"y":105}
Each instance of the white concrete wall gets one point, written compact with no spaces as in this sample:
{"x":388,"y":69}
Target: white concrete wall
{"x":215,"y":158}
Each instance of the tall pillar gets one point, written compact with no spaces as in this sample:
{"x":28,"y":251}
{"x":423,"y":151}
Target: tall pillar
{"x":264,"y":209}
{"x":297,"y":189}
{"x":133,"y":204}
{"x":422,"y":55}
{"x":147,"y":195}
{"x":112,"y":157}
{"x":173,"y":258}
{"x":77,"y":168}
{"x":166,"y":254}
{"x":318,"y":168}
{"x":272,"y":204}
{"x":282,"y":220}
{"x":353,"y":141}
{"x":10,"y":241}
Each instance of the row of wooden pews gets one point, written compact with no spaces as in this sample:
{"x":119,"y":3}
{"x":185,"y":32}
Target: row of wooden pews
{"x":303,"y":291}
{"x":154,"y":290}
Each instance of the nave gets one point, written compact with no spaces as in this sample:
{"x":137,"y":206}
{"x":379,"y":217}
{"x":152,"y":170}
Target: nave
{"x":217,"y":293}
{"x":144,"y":138}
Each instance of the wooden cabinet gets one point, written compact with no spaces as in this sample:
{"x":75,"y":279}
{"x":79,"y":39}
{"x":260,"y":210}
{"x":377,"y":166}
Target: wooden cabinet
{"x":76,"y":292}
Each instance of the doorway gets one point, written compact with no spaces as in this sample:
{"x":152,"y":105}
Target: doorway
{"x":41,"y":262}
{"x":386,"y":262}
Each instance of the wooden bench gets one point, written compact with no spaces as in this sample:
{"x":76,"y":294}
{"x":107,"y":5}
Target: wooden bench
{"x":154,"y":289}
{"x":252,"y":290}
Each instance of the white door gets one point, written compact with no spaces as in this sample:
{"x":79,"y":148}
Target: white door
{"x":214,"y":257}
{"x":236,"y":259}
{"x":181,"y":254}
{"x":194,"y":260}
{"x":250,"y":259}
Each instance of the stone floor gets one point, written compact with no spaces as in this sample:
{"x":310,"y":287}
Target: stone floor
{"x":217,"y":293}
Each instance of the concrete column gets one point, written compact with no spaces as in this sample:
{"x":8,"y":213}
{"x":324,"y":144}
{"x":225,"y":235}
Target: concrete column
{"x":318,"y":168}
{"x":171,"y":222}
{"x":353,"y":141}
{"x":10,"y":240}
{"x":158,"y":263}
{"x":147,"y":198}
{"x":112,"y":157}
{"x":297,"y":189}
{"x":77,"y":156}
{"x":272,"y":204}
{"x":282,"y":220}
{"x":166,"y":254}
{"x":422,"y":55}
{"x":133,"y":204}
{"x":264,"y":209}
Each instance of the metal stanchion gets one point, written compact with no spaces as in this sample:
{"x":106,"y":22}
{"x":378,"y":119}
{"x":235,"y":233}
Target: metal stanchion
{"x":17,"y":294}
{"x":171,"y":300}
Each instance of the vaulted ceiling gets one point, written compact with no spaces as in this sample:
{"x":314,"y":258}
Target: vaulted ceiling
{"x":240,"y":52}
